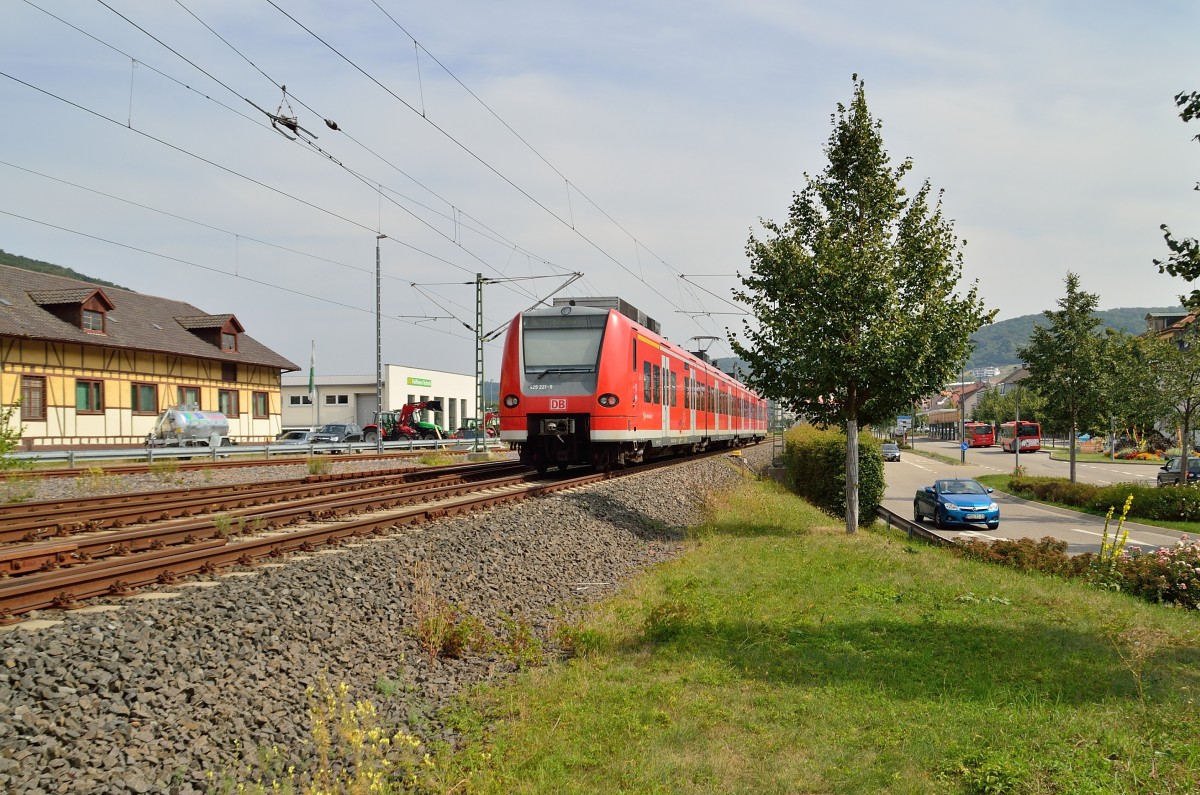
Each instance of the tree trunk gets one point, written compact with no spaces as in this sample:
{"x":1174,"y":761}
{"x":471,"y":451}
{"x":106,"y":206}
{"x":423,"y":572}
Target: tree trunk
{"x":851,"y":476}
{"x":1071,"y":445}
{"x":1185,"y":444}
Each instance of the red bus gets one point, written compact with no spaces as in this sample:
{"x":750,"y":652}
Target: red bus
{"x":1028,"y":435}
{"x":979,"y":434}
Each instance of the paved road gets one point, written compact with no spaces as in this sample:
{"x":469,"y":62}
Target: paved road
{"x":1019,"y":518}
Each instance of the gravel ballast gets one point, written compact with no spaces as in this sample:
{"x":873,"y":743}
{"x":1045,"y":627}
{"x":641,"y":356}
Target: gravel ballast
{"x":152,"y":696}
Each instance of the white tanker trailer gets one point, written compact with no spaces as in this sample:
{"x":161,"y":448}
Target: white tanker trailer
{"x":186,"y":426}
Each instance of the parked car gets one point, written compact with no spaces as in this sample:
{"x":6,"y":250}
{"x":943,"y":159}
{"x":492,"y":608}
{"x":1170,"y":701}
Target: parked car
{"x":294,"y":437}
{"x":891,"y":451}
{"x":956,"y":502}
{"x":338,"y":432}
{"x":1168,"y":474}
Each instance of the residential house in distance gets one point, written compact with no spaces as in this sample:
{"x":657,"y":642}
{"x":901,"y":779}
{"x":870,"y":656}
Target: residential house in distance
{"x":1169,"y":322}
{"x":1169,"y":326}
{"x":942,"y":413}
{"x":94,"y":366}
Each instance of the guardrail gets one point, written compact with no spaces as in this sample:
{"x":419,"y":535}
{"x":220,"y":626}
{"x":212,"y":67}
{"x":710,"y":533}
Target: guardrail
{"x":914,"y":529}
{"x":72,"y":458}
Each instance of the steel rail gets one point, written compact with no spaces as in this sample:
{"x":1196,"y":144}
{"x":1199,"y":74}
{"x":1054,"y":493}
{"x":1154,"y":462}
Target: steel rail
{"x":58,"y":518}
{"x":184,"y":462}
{"x":65,"y":588}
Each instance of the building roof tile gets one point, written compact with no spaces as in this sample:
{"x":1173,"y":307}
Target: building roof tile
{"x":140,"y":322}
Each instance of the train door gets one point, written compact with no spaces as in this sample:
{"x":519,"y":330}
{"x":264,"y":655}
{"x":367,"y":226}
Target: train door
{"x":689,"y":400}
{"x":665,"y":397}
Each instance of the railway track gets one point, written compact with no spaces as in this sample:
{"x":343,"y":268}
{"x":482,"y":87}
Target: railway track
{"x":186,"y":465}
{"x":57,"y":554}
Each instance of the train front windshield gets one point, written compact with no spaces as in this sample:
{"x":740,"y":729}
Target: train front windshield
{"x":563,"y":343}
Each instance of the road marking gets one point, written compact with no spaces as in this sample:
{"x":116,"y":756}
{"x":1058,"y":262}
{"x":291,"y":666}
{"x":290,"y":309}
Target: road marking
{"x":1129,"y":541}
{"x":978,"y":534}
{"x":1092,"y":532}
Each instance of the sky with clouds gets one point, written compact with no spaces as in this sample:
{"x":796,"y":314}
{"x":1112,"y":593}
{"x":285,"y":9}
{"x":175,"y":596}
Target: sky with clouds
{"x":636,"y":143}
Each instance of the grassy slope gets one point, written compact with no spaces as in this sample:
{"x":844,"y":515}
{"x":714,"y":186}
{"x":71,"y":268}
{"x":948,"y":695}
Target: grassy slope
{"x":783,"y":656}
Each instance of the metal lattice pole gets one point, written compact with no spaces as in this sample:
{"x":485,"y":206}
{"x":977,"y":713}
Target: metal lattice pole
{"x":480,"y":430}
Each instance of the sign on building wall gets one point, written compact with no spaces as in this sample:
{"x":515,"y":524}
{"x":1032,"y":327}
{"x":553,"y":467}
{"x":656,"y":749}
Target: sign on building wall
{"x":420,"y":381}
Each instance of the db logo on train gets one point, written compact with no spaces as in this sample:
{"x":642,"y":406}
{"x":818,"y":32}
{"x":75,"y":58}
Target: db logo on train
{"x":558,"y":404}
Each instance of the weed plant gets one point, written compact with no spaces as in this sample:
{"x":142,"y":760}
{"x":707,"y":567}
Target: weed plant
{"x":19,"y":486}
{"x":223,"y":524}
{"x":441,"y":628}
{"x":95,"y":480}
{"x":351,"y":753}
{"x":166,"y":470}
{"x":317,"y":466}
{"x":434,"y":459}
{"x":782,"y":655}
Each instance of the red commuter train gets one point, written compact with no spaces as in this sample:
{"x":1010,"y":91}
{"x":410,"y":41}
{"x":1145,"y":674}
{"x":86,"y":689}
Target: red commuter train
{"x":590,"y":385}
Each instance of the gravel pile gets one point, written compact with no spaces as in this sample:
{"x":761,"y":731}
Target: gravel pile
{"x":151,"y":697}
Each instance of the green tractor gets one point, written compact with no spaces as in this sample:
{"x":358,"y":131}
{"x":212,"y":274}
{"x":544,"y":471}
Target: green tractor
{"x":393,"y":426}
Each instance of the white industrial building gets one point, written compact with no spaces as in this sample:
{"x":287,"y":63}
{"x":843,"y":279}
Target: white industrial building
{"x":352,"y":398}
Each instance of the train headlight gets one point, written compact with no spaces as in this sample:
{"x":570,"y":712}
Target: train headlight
{"x":608,"y":400}
{"x":511,"y":401}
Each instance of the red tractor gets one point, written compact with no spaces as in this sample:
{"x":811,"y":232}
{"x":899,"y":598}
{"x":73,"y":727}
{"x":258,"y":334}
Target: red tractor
{"x":393,"y":426}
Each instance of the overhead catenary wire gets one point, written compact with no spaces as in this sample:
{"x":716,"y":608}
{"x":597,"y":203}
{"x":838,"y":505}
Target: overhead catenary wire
{"x":387,"y":191}
{"x":534,"y":150}
{"x":273,"y":285}
{"x":598,"y":248}
{"x":274,"y":117}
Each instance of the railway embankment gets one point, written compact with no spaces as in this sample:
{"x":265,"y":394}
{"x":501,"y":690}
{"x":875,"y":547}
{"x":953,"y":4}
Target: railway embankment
{"x":152,"y":693}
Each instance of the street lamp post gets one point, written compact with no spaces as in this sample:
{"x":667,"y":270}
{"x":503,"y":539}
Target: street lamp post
{"x":1017,"y":431}
{"x":962,"y":414}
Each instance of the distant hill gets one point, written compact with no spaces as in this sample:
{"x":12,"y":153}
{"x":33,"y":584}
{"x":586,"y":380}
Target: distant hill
{"x":997,"y":344}
{"x":25,"y":263}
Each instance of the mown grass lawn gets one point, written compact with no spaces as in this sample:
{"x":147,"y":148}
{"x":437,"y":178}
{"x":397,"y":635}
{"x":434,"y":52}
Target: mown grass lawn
{"x":781,"y":655}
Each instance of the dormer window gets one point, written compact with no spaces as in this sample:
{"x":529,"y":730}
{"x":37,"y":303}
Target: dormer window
{"x":86,"y":308}
{"x":220,"y":331}
{"x":92,"y":321}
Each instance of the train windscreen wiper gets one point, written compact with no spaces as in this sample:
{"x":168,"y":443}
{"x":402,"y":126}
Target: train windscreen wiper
{"x":568,"y":368}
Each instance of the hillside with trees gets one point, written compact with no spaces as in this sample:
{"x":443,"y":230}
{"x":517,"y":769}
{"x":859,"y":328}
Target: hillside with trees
{"x":997,"y":343}
{"x":25,"y":263}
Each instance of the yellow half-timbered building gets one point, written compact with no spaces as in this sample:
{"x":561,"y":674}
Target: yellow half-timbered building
{"x":91,"y":365}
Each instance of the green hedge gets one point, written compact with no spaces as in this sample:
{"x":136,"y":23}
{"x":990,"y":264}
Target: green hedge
{"x":816,"y":465}
{"x":1149,"y":502}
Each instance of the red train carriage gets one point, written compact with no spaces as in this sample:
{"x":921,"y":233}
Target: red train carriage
{"x":589,"y":385}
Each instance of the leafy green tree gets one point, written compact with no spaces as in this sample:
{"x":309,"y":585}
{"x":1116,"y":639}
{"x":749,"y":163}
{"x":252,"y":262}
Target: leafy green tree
{"x":1133,"y":400}
{"x":10,"y":436}
{"x":1176,"y":363}
{"x":1065,"y":361}
{"x":1185,"y":252}
{"x":853,"y":297}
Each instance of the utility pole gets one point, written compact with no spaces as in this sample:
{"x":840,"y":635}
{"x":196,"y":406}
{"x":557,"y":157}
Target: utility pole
{"x":378,"y":357}
{"x":480,"y":430}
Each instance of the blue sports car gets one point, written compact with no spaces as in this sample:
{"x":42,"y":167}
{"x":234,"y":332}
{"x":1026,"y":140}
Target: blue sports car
{"x":961,"y":501}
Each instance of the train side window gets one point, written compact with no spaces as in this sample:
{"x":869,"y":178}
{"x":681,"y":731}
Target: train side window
{"x":657,"y":384}
{"x":674,"y":389}
{"x":646,"y":382}
{"x":687,"y":393}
